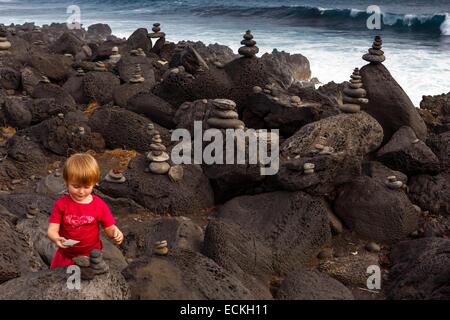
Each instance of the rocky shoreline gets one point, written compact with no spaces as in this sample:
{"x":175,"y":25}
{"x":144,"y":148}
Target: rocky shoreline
{"x":364,"y":176}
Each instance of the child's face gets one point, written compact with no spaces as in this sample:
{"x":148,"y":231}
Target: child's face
{"x":79,"y":192}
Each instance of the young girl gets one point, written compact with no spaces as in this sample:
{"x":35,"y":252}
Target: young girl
{"x":77,"y":216}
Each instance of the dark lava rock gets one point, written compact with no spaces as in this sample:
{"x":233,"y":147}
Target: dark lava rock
{"x":74,"y":86}
{"x":16,"y":113}
{"x":159,"y":194}
{"x":30,"y":78}
{"x":178,"y":87}
{"x":182,"y":275}
{"x":17,"y":257}
{"x":125,"y":92}
{"x":139,"y":39}
{"x":122,"y":128}
{"x":49,"y":90}
{"x":9,"y":78}
{"x":53,"y":285}
{"x":141,"y":234}
{"x":55,"y":67}
{"x":440,"y":144}
{"x":285,"y":68}
{"x":404,"y":152}
{"x":431,"y":193}
{"x":375,"y":211}
{"x":153,"y":107}
{"x":388,"y":103}
{"x":245,"y":74}
{"x":63,"y":136}
{"x":68,"y":42}
{"x":312,"y":285}
{"x":351,"y":136}
{"x":190,"y":59}
{"x":380,"y":172}
{"x":420,"y":270}
{"x":100,"y":86}
{"x":99,"y":30}
{"x":267,"y":234}
{"x":436,"y":112}
{"x":262,"y":111}
{"x":127,"y":65}
{"x":27,"y":156}
{"x":45,"y":108}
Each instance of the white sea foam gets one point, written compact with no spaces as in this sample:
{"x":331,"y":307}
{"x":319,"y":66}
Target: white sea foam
{"x":445,"y":26}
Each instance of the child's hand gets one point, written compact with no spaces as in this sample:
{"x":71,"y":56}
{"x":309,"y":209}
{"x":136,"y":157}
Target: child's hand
{"x":117,"y":236}
{"x":59,"y":242}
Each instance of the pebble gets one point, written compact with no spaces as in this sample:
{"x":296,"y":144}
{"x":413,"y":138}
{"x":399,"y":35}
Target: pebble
{"x":373,"y":247}
{"x":257,"y":89}
{"x":296,"y":99}
{"x":16,"y":181}
{"x":159,"y":167}
{"x":415,"y":141}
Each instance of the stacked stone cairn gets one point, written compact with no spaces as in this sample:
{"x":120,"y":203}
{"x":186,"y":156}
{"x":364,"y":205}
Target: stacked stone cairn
{"x":157,"y":32}
{"x":158,"y":156}
{"x":4,"y":43}
{"x":92,"y":265}
{"x":354,"y":94}
{"x":33,"y":210}
{"x":161,"y":248}
{"x":100,"y":66}
{"x":393,"y":183}
{"x":115,"y":176}
{"x":137,"y":75}
{"x":115,"y":57}
{"x":375,"y":55}
{"x":138,"y":52}
{"x":249,"y":50}
{"x":80,"y":72}
{"x":224,"y":115}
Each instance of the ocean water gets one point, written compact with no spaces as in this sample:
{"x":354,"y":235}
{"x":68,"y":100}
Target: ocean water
{"x":331,"y":34}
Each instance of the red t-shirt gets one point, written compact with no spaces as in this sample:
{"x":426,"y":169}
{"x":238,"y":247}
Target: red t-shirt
{"x":80,"y":221}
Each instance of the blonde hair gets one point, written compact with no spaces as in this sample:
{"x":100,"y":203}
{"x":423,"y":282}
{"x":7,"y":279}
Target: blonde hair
{"x":81,"y":168}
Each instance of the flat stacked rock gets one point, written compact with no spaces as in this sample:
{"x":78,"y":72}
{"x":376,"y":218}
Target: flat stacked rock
{"x":115,"y":176}
{"x":96,"y":262}
{"x":157,"y":31}
{"x":80,"y":72}
{"x":375,"y":55}
{"x":224,"y":115}
{"x":33,"y":210}
{"x":138,"y":52}
{"x":393,"y":183}
{"x":158,"y":156}
{"x":249,"y":50}
{"x":100,"y":66}
{"x":115,"y":56}
{"x":161,"y":248}
{"x":137,"y":75}
{"x":4,"y":43}
{"x":354,"y":94}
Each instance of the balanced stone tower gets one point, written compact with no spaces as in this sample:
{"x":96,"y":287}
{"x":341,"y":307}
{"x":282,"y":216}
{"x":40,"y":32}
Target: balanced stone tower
{"x":115,"y":176}
{"x":96,"y":262}
{"x":249,"y":50}
{"x":4,"y":43}
{"x":375,"y":55}
{"x":224,"y":115}
{"x":158,"y":156}
{"x":354,"y":94}
{"x":100,"y":66}
{"x":115,"y":56}
{"x":157,"y":32}
{"x":161,"y":38}
{"x":137,"y":75}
